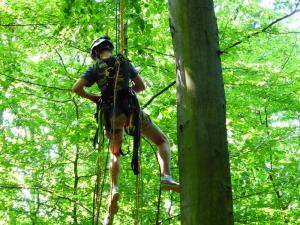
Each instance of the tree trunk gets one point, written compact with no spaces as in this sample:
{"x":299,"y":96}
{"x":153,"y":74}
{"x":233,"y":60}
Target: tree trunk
{"x":206,"y":197}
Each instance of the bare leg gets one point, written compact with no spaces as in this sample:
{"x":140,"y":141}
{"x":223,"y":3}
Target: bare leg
{"x":164,"y":153}
{"x":164,"y":158}
{"x":151,"y":131}
{"x":114,"y":167}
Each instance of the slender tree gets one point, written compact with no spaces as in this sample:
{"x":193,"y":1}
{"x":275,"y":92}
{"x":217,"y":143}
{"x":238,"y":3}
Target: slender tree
{"x":206,"y":197}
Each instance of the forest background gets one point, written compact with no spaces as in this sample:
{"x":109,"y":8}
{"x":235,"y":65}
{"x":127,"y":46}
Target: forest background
{"x":47,"y":160}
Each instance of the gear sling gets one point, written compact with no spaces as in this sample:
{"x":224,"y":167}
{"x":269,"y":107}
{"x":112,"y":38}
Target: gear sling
{"x":126,"y":101}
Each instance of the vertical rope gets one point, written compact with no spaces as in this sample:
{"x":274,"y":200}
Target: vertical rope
{"x":113,"y":133}
{"x":141,"y":185}
{"x":126,"y":39}
{"x":138,"y":183}
{"x":137,"y":208}
{"x":97,"y":194}
{"x":121,"y":26}
{"x":105,"y":172}
{"x":116,"y":77}
{"x":157,"y":222}
{"x":117,"y":26}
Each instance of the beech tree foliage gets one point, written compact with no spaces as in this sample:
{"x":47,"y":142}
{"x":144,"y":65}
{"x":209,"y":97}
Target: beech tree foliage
{"x":47,"y":160}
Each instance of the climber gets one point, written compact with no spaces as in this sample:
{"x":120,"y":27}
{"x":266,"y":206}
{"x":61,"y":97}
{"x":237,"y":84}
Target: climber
{"x":103,"y":72}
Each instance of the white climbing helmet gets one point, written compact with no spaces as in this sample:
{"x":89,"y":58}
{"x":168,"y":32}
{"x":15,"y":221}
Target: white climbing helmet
{"x":102,"y":43}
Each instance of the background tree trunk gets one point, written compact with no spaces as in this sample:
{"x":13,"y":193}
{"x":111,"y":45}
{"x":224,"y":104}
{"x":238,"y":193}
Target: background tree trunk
{"x":206,"y":197}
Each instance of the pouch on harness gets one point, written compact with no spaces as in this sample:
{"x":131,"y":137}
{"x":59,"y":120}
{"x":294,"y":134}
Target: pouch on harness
{"x":126,"y":102}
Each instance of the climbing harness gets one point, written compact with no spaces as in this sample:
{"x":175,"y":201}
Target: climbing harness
{"x":124,"y":100}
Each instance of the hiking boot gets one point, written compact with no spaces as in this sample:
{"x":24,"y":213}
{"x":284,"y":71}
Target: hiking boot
{"x":108,"y":219}
{"x":167,"y":183}
{"x":112,"y":204}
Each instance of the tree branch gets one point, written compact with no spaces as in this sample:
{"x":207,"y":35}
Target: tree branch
{"x":252,"y":194}
{"x":36,"y":84}
{"x":48,"y":191}
{"x":283,"y":33}
{"x":289,"y":56}
{"x":158,"y":94}
{"x":47,"y":99}
{"x":263,"y":30}
{"x":63,"y":64}
{"x":160,"y":53}
{"x":228,"y":84}
{"x":170,"y":218}
{"x":27,"y":25}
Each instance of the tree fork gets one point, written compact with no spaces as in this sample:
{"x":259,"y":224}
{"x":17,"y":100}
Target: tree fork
{"x":206,"y":197}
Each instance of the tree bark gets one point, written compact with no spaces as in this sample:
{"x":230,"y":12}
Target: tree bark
{"x":206,"y":197}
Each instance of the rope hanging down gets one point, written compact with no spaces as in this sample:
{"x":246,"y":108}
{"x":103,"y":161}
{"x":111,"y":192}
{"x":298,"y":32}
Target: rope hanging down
{"x":119,"y":26}
{"x":99,"y":184}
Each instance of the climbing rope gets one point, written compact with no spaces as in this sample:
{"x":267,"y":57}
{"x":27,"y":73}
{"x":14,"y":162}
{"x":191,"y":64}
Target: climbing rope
{"x":117,"y":25}
{"x":97,"y":196}
{"x":99,"y":185}
{"x":121,"y":26}
{"x":119,"y":17}
{"x":138,"y":191}
{"x":159,"y":191}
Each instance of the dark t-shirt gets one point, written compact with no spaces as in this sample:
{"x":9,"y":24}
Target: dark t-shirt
{"x":97,"y":73}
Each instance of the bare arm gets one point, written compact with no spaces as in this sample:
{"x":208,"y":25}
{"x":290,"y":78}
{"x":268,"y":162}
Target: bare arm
{"x":78,"y":88}
{"x":138,"y":84}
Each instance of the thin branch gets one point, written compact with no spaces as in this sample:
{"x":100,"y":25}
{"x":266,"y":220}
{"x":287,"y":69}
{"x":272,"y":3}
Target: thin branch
{"x":87,"y":176}
{"x":160,"y":53}
{"x":80,"y":49}
{"x":289,"y":56}
{"x":252,"y":194}
{"x":62,"y":61}
{"x":63,"y":64}
{"x":170,"y":218}
{"x":152,"y":50}
{"x":226,"y":84}
{"x":36,"y":84}
{"x":154,"y":66}
{"x":262,"y":86}
{"x":83,"y":63}
{"x":158,"y":94}
{"x":283,"y":33}
{"x":27,"y":25}
{"x":48,"y":99}
{"x":263,"y":30}
{"x":237,"y":11}
{"x":278,"y":20}
{"x":48,"y":191}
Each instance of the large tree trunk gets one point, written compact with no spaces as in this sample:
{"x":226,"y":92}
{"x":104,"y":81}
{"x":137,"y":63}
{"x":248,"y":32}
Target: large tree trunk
{"x":206,"y":197}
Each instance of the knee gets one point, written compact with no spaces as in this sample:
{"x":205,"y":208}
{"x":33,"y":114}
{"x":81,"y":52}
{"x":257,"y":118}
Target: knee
{"x":114,"y":158}
{"x":114,"y":163}
{"x":115,"y":151}
{"x":162,"y":139}
{"x":116,"y":142}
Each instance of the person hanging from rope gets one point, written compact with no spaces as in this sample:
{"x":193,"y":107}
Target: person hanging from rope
{"x":118,"y":102}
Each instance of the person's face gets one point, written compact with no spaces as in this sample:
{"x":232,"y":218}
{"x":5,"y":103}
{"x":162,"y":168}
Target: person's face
{"x":105,"y":54}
